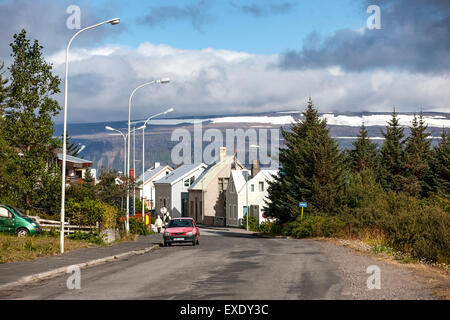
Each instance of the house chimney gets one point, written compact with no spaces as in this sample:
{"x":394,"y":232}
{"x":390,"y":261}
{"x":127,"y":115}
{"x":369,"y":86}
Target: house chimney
{"x":255,"y":168}
{"x":157,"y":164}
{"x":222,"y":153}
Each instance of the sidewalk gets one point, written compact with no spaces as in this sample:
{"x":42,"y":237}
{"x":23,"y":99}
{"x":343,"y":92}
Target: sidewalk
{"x":14,"y":271}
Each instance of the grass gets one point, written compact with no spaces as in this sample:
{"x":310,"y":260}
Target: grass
{"x":13,"y":248}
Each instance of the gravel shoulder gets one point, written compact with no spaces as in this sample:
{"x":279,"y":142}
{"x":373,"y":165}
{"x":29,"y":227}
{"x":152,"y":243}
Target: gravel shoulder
{"x":399,"y":281}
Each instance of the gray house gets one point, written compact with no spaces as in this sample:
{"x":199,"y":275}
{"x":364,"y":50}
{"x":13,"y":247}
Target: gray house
{"x":171,"y":191}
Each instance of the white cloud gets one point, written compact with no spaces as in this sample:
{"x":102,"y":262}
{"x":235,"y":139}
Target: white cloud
{"x":219,"y":82}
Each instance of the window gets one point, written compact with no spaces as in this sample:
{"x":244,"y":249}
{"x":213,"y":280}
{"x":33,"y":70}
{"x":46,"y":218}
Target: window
{"x":261,"y":186}
{"x":225,"y":183}
{"x":191,"y":181}
{"x":4,"y":213}
{"x":220,"y":184}
{"x":234,"y":212}
{"x":252,"y":187}
{"x":186,"y":183}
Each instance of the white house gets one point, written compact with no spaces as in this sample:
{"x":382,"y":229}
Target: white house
{"x":171,"y":191}
{"x":148,"y":186}
{"x":247,"y":187}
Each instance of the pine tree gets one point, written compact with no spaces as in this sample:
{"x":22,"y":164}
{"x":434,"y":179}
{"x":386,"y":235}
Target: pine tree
{"x":392,"y":156}
{"x":437,"y":177}
{"x":417,"y":155}
{"x":363,"y":155}
{"x":311,"y":170}
{"x":28,"y":119}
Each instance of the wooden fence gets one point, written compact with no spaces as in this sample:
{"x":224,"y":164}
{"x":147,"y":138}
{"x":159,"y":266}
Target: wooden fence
{"x":48,"y":225}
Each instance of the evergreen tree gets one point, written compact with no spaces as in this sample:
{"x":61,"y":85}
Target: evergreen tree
{"x":363,"y":155}
{"x":417,"y":155}
{"x":311,"y":170}
{"x":28,"y":119}
{"x":392,"y":156}
{"x":437,"y":177}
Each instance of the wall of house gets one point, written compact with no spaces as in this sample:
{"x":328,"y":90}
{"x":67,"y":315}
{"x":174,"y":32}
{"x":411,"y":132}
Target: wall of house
{"x":232,"y":207}
{"x":149,"y":188}
{"x":163,"y":191}
{"x":178,"y":188}
{"x":196,"y":205}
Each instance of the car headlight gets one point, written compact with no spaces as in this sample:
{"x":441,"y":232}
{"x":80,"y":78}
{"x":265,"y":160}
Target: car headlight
{"x":189,"y":233}
{"x":34,"y":224}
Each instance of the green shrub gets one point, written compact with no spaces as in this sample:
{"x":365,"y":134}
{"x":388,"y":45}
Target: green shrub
{"x":138,"y":227}
{"x":252,"y":223}
{"x":87,"y":237}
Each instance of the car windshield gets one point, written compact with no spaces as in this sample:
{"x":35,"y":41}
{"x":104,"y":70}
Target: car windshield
{"x":18,"y":212}
{"x":177,"y":223}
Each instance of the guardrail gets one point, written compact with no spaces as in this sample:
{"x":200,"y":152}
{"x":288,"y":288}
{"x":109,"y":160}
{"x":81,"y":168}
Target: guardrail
{"x":48,"y":225}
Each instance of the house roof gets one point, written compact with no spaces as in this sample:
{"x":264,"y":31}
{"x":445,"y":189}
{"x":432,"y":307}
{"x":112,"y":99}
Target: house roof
{"x":152,"y":172}
{"x":180,"y":173}
{"x":74,"y":161}
{"x":239,"y":178}
{"x":211,"y":172}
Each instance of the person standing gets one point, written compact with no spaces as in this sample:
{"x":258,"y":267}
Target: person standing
{"x":158,"y":224}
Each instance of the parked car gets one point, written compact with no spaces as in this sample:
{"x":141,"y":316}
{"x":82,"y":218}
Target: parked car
{"x":13,"y":221}
{"x":181,"y":230}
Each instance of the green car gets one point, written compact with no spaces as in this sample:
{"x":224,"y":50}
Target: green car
{"x":12,"y":220}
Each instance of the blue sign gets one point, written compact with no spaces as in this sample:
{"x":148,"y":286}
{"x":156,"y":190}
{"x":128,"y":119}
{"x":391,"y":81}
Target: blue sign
{"x":302,"y":204}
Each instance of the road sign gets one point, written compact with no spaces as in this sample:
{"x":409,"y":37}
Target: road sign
{"x":163,"y":210}
{"x":302,"y":204}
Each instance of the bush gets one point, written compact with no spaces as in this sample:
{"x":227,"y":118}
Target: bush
{"x":89,"y":212}
{"x":138,"y":227}
{"x":87,"y":237}
{"x":252,"y":223}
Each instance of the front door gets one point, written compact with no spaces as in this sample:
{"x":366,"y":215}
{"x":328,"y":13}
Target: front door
{"x":6,"y":220}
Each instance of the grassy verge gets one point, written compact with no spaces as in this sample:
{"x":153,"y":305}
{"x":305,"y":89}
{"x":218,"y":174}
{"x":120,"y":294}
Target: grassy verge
{"x":13,"y":248}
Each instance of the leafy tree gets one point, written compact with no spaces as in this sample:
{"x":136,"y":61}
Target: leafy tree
{"x":364,"y":154}
{"x":311,"y":170}
{"x":28,"y":119}
{"x":392,"y":156}
{"x":417,"y":155}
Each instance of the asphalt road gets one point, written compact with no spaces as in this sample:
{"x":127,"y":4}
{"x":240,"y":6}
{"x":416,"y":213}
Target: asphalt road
{"x":226,"y":265}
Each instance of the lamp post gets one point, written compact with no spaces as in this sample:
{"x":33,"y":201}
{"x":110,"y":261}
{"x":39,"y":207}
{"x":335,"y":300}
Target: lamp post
{"x":63,"y":187}
{"x":161,"y":81}
{"x":124,"y":136}
{"x":143,"y":154}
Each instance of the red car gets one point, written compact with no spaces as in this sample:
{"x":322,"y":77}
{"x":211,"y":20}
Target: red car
{"x":180,"y":230}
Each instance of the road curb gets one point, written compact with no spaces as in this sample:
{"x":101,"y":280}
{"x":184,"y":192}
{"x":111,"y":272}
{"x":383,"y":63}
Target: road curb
{"x":62,"y":270}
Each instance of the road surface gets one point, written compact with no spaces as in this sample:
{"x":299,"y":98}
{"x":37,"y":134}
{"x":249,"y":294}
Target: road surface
{"x":234,"y":265}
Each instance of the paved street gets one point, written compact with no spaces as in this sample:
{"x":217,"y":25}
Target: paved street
{"x":227,"y":265}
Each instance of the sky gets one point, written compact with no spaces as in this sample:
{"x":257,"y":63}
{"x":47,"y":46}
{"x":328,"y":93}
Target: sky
{"x":241,"y":56}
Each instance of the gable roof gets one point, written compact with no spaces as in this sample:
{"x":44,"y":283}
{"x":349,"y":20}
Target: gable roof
{"x":179,"y":173}
{"x":211,"y":172}
{"x":239,"y":178}
{"x":152,"y":172}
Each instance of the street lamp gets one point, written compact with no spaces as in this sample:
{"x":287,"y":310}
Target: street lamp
{"x":63,"y":187}
{"x":124,"y":136}
{"x":143,"y":152}
{"x":161,"y":81}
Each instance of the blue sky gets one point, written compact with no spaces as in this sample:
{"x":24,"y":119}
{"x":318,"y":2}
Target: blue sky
{"x":242,"y":56}
{"x":227,"y":27}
